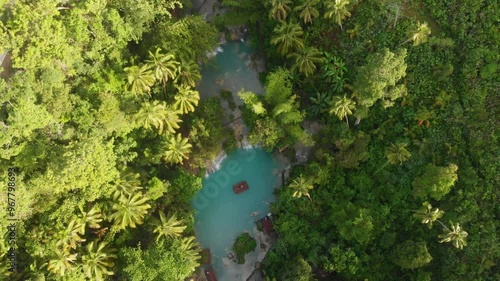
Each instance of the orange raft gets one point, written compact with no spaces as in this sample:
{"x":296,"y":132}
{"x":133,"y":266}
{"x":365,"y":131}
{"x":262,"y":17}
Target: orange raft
{"x":240,"y":187}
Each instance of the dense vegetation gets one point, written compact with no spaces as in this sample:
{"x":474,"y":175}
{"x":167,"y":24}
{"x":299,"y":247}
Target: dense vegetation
{"x":103,"y":136}
{"x":421,"y":81}
{"x":96,"y":115}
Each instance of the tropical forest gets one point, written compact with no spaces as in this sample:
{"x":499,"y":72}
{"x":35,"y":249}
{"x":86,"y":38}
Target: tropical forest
{"x":250,"y":140}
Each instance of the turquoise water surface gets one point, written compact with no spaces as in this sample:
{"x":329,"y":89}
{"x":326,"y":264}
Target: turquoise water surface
{"x":230,"y":69}
{"x":221,"y":215}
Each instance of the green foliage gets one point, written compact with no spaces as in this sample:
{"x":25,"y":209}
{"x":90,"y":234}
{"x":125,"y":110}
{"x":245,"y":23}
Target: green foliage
{"x":97,"y":261}
{"x":298,"y":270}
{"x":308,"y":10}
{"x":338,"y":10}
{"x":435,"y":181}
{"x":243,"y":245}
{"x":306,"y":60}
{"x":160,"y":261}
{"x":129,"y":211}
{"x":454,"y":234}
{"x":169,"y":227}
{"x":427,"y":214}
{"x":288,"y":37}
{"x":301,"y":187}
{"x":176,"y":149}
{"x":140,"y":79}
{"x":277,"y":115}
{"x":341,"y":260}
{"x":378,"y":77}
{"x":411,"y":254}
{"x":279,"y":9}
{"x":397,"y":153}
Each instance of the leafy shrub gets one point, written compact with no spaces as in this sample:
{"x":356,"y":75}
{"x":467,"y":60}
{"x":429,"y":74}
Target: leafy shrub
{"x":243,"y":245}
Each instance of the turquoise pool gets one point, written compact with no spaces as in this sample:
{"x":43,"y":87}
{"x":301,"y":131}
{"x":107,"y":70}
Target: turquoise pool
{"x":221,"y":215}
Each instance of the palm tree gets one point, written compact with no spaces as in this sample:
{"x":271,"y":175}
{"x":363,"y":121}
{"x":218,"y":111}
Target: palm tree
{"x":427,"y":214}
{"x":139,"y":79}
{"x":70,"y":236}
{"x":288,"y":36}
{"x":456,"y":235}
{"x":337,"y":9}
{"x":397,"y":153}
{"x":177,"y":149}
{"x":92,"y":218}
{"x":190,"y":248}
{"x":421,"y":34}
{"x":306,"y":60}
{"x":186,"y":99}
{"x":279,"y":9}
{"x":158,"y":115}
{"x":172,"y":119}
{"x":170,"y":227}
{"x":62,"y":260}
{"x":127,"y":184}
{"x":188,"y":73}
{"x":130,"y":211}
{"x":320,"y":103}
{"x":301,"y":187}
{"x":97,"y":260}
{"x":342,"y":107}
{"x":165,"y":66}
{"x":308,"y":10}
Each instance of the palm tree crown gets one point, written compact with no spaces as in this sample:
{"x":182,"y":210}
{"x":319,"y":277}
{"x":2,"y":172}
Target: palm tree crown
{"x":301,"y":187}
{"x":177,"y":149}
{"x":130,"y":211}
{"x":337,"y":9}
{"x":97,"y":260}
{"x":308,"y":10}
{"x":287,"y":37}
{"x":421,"y":34}
{"x":127,"y":184}
{"x":397,"y":153}
{"x":279,"y":9}
{"x":170,"y":227}
{"x":188,"y":73}
{"x":427,"y":214}
{"x":186,"y":99}
{"x":139,"y":79}
{"x":342,"y":107}
{"x":164,"y":65}
{"x":157,"y":114}
{"x":70,"y":236}
{"x":62,"y":260}
{"x":456,"y":235}
{"x":306,"y":60}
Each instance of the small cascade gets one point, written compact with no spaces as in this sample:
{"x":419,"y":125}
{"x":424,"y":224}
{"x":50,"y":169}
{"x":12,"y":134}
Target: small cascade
{"x":214,"y":52}
{"x":301,"y":155}
{"x":214,"y":165}
{"x":245,"y":144}
{"x":219,"y":160}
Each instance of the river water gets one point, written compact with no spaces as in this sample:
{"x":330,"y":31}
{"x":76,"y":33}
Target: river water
{"x":221,"y":215}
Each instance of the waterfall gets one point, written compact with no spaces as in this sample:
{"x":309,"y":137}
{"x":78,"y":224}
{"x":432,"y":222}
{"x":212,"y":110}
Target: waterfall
{"x":301,"y":153}
{"x":214,"y":52}
{"x":219,"y":160}
{"x":214,"y":165}
{"x":245,"y":144}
